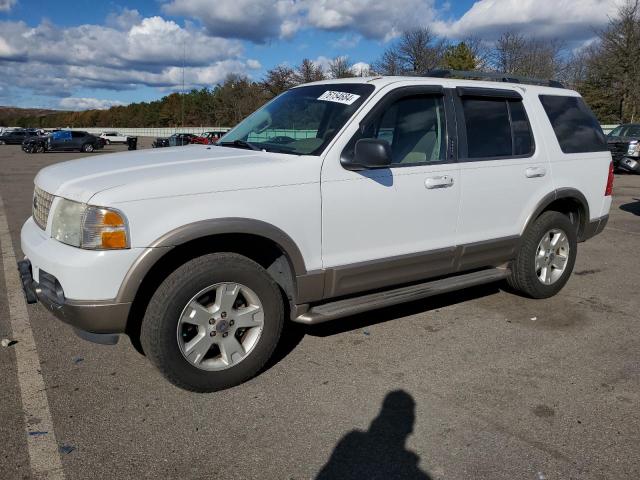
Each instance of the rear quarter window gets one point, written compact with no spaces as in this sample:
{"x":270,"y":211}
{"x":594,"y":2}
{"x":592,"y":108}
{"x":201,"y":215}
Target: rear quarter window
{"x":575,"y":126}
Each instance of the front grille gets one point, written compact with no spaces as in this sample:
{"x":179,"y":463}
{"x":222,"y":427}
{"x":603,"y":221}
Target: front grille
{"x":41,"y":206}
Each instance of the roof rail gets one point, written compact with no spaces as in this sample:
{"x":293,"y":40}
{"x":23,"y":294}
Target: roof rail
{"x":494,"y":76}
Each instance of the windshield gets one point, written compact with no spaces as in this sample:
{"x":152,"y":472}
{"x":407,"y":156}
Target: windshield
{"x":301,"y":121}
{"x":626,"y":131}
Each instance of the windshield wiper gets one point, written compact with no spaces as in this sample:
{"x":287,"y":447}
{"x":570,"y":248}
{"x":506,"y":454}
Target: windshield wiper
{"x":239,"y":144}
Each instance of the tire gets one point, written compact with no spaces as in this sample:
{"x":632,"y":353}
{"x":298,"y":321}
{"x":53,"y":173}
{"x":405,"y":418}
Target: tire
{"x":164,"y":336}
{"x":2,"y":142}
{"x":528,"y":274}
{"x":87,"y":148}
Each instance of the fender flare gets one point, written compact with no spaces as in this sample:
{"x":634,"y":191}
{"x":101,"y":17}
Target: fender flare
{"x":205,"y":228}
{"x":559,"y":194}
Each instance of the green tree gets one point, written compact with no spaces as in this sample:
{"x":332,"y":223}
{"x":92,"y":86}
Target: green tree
{"x":459,"y":57}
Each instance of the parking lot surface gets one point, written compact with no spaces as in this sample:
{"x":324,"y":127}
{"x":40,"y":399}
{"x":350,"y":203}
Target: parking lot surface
{"x":478,"y":384}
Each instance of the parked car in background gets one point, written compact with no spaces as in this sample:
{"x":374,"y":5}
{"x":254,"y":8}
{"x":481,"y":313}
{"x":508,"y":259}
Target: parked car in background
{"x":64,"y":140}
{"x":113,"y":137}
{"x":624,"y":144}
{"x":15,"y":137}
{"x":213,"y":136}
{"x":175,"y":140}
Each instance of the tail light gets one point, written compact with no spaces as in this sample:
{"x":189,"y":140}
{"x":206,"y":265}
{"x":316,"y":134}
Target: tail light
{"x":609,"y":190}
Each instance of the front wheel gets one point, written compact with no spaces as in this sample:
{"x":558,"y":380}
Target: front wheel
{"x":87,"y":148}
{"x":546,"y":256}
{"x":213,"y":323}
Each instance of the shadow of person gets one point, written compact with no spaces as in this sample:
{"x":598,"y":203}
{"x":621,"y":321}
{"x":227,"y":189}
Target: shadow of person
{"x":378,"y":453}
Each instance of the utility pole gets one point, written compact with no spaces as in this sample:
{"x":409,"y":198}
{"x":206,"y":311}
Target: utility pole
{"x":184,"y":54}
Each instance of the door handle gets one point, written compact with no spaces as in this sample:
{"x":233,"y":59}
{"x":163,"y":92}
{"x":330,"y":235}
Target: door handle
{"x":534,"y":172}
{"x":439,"y":182}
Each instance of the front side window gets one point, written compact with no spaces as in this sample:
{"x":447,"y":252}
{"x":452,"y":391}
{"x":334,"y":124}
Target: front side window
{"x":576,"y":128}
{"x":301,"y":121}
{"x":413,"y":126}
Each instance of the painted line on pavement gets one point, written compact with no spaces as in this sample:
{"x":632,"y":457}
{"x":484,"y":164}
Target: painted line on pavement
{"x":43,"y":447}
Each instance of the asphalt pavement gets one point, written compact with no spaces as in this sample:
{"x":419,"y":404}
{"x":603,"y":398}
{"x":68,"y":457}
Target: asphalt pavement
{"x":479,"y":384}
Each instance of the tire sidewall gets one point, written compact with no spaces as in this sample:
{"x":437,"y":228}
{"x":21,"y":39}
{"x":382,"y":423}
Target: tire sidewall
{"x":169,"y":303}
{"x":545,"y":223}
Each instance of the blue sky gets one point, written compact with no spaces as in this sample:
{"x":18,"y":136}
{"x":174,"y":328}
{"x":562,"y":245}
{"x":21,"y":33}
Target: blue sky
{"x":84,"y":54}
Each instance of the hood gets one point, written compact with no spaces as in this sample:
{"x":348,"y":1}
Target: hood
{"x":188,"y":170}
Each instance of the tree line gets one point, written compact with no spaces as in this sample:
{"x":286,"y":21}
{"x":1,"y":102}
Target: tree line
{"x":606,"y":73}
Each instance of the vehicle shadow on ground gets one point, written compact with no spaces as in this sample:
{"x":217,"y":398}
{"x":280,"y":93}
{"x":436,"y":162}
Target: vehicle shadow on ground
{"x":632,"y":207}
{"x":293,"y":333}
{"x":379,"y":452}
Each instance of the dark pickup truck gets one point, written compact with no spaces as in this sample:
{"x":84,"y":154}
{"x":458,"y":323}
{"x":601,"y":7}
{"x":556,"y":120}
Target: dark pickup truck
{"x":624,"y":144}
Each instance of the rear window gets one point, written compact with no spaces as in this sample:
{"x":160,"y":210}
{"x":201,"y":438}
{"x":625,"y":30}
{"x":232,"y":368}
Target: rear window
{"x":576,"y":128}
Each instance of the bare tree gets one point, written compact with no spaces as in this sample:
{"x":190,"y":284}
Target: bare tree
{"x":279,"y":79}
{"x":340,"y":68}
{"x":420,"y":50}
{"x":309,"y":72}
{"x":530,"y":57}
{"x":389,"y":63}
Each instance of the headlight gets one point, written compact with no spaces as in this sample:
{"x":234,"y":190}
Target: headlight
{"x":634,"y":149}
{"x":86,"y":226}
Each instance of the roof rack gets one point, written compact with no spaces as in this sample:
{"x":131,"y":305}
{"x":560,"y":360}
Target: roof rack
{"x":493,"y":76}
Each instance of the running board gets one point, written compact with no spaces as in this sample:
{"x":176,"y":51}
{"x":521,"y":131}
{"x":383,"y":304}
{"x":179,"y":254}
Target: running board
{"x":351,"y":306}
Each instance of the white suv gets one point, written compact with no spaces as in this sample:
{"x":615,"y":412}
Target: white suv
{"x":113,"y":137}
{"x":334,"y":198}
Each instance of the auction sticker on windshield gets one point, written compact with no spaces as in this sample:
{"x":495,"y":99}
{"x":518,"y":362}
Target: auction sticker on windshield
{"x":339,"y":97}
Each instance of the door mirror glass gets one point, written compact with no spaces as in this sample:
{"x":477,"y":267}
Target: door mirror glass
{"x":369,"y":153}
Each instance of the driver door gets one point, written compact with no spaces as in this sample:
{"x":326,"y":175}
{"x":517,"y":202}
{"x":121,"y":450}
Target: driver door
{"x":395,"y":225}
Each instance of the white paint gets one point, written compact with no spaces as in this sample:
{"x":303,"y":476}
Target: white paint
{"x":43,"y":449}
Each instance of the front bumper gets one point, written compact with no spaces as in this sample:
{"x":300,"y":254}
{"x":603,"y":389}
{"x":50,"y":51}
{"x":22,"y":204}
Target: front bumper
{"x":80,"y":287}
{"x":89,"y":317}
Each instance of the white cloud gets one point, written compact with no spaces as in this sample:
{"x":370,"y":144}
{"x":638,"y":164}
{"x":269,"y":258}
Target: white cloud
{"x":86,"y":103}
{"x":552,"y":19}
{"x":361,"y":68}
{"x":253,"y":64}
{"x":261,"y":20}
{"x":133,"y":51}
{"x":6,"y":5}
{"x":346,"y":41}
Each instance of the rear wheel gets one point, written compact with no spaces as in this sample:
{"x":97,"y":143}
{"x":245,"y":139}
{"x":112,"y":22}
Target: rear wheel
{"x":546,"y":256}
{"x":213,"y":323}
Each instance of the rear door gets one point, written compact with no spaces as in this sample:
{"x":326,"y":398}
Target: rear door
{"x":504,"y":173}
{"x":77,"y":140}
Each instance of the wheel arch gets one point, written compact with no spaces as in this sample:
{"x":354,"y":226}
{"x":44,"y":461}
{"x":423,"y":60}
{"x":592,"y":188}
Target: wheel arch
{"x":262,"y":242}
{"x":569,"y":201}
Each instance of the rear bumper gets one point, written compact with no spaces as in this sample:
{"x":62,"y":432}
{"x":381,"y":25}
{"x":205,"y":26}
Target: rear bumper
{"x":594,"y":227}
{"x":96,"y":317}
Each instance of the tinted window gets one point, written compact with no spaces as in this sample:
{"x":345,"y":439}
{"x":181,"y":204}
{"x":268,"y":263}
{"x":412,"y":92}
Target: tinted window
{"x":77,"y":134}
{"x":575,"y":126}
{"x":522,"y":136}
{"x":488,"y":127}
{"x":413,"y":126}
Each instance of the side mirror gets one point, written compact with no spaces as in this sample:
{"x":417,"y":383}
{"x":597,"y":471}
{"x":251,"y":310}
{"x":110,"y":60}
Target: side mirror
{"x":369,"y":153}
